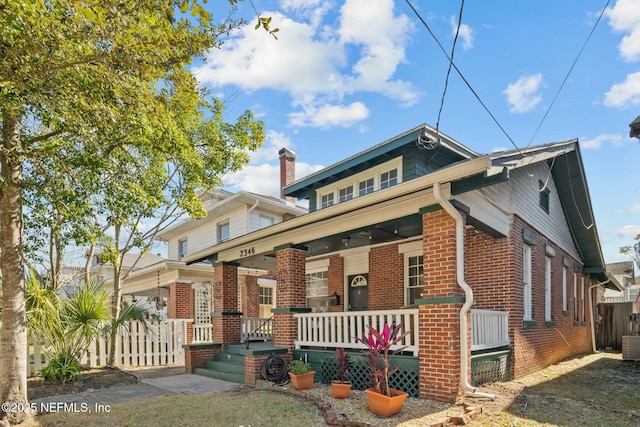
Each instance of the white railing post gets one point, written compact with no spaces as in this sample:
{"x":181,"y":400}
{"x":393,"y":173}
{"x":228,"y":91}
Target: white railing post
{"x":489,"y":329}
{"x":340,"y":329}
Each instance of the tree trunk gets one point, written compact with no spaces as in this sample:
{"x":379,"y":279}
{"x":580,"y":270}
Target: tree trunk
{"x":13,"y":338}
{"x":116,"y":299}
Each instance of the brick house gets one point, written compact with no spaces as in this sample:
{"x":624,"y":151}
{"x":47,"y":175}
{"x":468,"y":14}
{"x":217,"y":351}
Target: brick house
{"x":477,"y":255}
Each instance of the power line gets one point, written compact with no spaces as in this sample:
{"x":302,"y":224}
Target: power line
{"x":566,"y":77}
{"x":446,"y":80}
{"x":455,"y":67}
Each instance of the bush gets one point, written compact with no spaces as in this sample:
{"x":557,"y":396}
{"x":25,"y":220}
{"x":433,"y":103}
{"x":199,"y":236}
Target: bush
{"x":60,"y":370}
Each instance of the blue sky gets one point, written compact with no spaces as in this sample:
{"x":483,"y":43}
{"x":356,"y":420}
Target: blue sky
{"x":346,"y":75}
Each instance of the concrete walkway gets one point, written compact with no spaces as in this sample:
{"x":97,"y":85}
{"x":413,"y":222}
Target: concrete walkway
{"x":153,"y":382}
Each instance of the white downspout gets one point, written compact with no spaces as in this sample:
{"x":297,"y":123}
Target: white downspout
{"x":593,"y":322}
{"x":468,"y":292}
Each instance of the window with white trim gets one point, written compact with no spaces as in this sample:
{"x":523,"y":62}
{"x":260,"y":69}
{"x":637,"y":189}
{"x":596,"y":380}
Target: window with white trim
{"x":526,"y":285}
{"x":575,"y":297}
{"x":345,"y":194}
{"x":266,"y":301}
{"x":414,"y":278}
{"x":326,"y":200}
{"x":223,"y":232}
{"x":547,"y":290}
{"x":565,"y":302}
{"x":584,"y":311}
{"x":182,"y":248}
{"x":389,"y":178}
{"x":365,"y":187}
{"x":317,"y":290}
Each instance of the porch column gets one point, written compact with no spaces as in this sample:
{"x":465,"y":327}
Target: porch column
{"x":225,"y":317}
{"x":180,"y":304}
{"x":439,"y":310}
{"x":251,"y":297}
{"x":290,"y":293}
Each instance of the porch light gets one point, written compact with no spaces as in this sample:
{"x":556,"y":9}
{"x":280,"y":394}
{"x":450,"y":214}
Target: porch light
{"x":345,"y":240}
{"x":334,"y":299}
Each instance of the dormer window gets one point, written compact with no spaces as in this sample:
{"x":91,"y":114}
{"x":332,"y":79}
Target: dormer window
{"x":345,"y":194}
{"x":389,"y":178}
{"x":365,"y":187}
{"x":544,"y":196}
{"x":182,"y":248}
{"x":223,"y":232}
{"x":326,"y":200}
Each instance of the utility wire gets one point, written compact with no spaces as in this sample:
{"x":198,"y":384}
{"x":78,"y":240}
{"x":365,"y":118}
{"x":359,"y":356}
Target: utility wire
{"x":455,"y":67}
{"x":446,"y":80}
{"x":566,"y":77}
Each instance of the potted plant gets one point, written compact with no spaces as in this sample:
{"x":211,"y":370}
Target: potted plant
{"x":383,"y":400}
{"x":341,"y":386}
{"x":301,"y":375}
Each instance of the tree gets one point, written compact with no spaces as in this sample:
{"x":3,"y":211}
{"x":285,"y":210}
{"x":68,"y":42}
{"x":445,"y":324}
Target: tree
{"x":633,"y":251}
{"x":72,"y":73}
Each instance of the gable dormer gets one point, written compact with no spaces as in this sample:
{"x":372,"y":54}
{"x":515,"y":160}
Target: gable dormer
{"x":407,"y":156}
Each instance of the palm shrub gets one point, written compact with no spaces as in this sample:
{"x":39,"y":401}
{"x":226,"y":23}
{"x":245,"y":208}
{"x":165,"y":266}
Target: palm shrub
{"x":68,"y":326}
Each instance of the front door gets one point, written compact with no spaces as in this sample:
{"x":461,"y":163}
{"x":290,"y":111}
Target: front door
{"x":358,"y":292}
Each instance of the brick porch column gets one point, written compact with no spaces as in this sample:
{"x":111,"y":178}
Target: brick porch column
{"x":290,"y":293}
{"x":225,"y":317}
{"x":439,"y":310}
{"x":180,"y":304}
{"x":251,"y":297}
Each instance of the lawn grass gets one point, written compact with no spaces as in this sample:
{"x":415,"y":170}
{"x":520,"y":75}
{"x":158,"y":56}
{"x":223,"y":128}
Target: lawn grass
{"x":242,"y":407}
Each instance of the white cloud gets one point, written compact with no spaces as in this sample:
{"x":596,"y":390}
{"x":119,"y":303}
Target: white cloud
{"x":596,"y":143}
{"x":624,"y":17}
{"x":317,"y":61}
{"x":625,"y":94}
{"x":628,"y":232}
{"x":523,"y":95}
{"x":326,"y":116}
{"x":262,"y":174}
{"x":465,"y":33}
{"x":633,"y":209}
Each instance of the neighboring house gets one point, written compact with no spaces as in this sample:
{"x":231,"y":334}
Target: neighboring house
{"x":625,"y":273}
{"x":188,"y":289}
{"x":418,"y":229}
{"x":71,"y":279}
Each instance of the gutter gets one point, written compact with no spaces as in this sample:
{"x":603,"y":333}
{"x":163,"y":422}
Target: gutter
{"x":468,"y":293}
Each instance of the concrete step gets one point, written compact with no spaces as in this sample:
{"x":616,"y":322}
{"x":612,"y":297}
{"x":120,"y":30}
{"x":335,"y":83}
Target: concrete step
{"x":226,"y":376}
{"x":231,"y":368}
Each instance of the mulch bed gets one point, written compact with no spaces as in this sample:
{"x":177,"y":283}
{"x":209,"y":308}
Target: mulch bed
{"x":92,"y":379}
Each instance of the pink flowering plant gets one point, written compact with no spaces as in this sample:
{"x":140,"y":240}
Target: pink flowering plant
{"x":379,"y":354}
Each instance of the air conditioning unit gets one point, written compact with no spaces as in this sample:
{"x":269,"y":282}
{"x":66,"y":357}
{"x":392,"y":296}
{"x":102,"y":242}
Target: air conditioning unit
{"x":630,"y":347}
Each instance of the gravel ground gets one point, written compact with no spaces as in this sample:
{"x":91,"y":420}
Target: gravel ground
{"x":415,"y":412}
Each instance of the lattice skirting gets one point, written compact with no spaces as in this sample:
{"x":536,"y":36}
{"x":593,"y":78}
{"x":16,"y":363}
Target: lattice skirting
{"x":490,"y":367}
{"x":405,"y":379}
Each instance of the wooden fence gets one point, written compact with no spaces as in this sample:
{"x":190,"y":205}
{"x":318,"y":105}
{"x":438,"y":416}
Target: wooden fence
{"x":158,"y":345}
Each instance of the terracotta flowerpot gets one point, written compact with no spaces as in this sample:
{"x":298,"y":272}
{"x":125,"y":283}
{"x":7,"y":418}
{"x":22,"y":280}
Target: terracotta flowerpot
{"x":384,"y":405}
{"x":302,"y":381}
{"x":341,"y":389}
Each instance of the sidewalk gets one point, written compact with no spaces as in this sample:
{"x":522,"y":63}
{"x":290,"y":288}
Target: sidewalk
{"x":153,"y":382}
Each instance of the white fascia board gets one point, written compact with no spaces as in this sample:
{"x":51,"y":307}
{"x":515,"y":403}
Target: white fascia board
{"x":388,"y":197}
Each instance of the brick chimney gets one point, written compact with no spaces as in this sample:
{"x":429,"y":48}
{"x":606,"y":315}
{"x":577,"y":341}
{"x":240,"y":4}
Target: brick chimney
{"x":287,"y":171}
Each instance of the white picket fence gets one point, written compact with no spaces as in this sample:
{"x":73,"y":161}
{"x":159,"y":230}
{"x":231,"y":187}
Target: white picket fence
{"x":159,"y":345}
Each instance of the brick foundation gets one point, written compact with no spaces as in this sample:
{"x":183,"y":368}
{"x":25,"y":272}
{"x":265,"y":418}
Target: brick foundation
{"x":196,"y":354}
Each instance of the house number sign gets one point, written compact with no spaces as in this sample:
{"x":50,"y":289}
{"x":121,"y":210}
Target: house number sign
{"x":247,"y":251}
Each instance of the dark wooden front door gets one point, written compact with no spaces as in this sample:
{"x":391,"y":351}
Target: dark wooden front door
{"x":358,"y":292}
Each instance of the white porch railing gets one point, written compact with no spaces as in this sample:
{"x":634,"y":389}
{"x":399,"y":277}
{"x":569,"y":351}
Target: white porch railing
{"x":340,"y":329}
{"x":202,"y":332}
{"x":159,"y":345}
{"x":257,"y":329}
{"x":489,"y":329}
